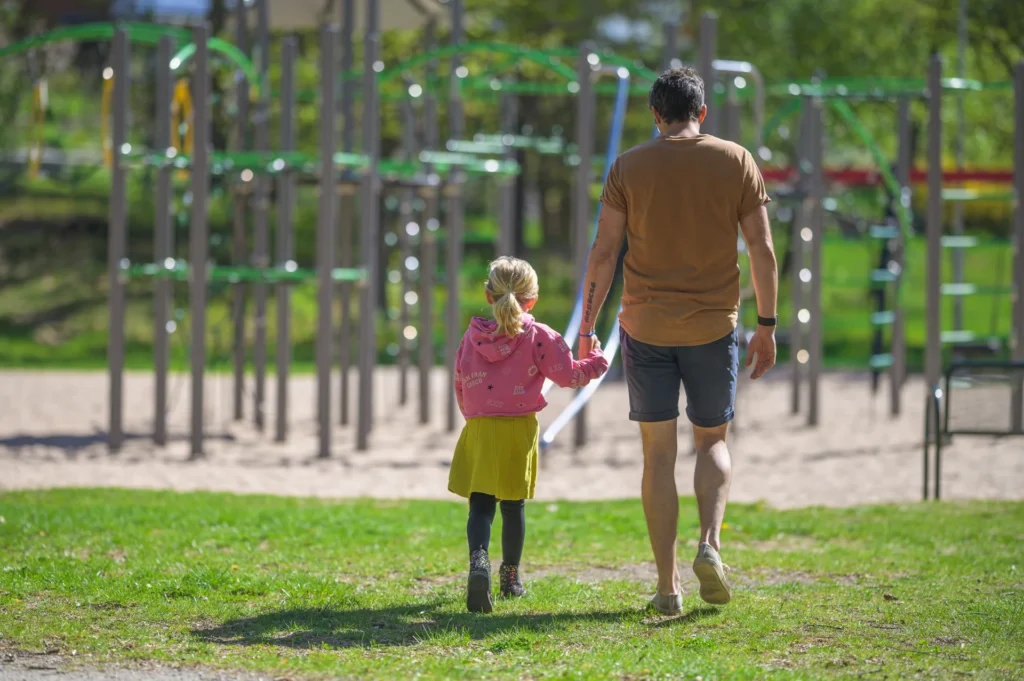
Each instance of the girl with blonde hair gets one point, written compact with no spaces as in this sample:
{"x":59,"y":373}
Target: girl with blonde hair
{"x":500,"y":369}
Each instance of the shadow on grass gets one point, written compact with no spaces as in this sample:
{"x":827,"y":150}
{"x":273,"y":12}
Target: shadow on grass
{"x":403,"y":625}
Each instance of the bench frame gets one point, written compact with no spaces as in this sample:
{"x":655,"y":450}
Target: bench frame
{"x":937,"y":432}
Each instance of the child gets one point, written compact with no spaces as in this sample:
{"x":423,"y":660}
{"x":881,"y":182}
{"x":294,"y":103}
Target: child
{"x":500,"y":369}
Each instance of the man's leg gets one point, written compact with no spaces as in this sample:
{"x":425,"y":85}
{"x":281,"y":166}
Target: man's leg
{"x":653,"y":379}
{"x":711,"y":478}
{"x":709,"y":377}
{"x":661,"y":500}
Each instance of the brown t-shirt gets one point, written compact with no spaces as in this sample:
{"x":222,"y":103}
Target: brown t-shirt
{"x":683,"y":198}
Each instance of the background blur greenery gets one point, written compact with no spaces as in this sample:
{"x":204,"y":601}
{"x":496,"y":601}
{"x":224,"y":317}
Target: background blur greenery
{"x":53,"y":229}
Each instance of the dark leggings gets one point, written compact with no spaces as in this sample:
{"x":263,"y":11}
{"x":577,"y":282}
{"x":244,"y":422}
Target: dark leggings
{"x":513,"y":526}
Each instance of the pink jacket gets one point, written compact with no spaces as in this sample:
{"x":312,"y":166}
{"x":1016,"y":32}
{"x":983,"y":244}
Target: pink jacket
{"x":500,"y":376}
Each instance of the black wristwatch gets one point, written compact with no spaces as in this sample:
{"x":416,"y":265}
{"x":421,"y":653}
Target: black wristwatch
{"x":767,"y":321}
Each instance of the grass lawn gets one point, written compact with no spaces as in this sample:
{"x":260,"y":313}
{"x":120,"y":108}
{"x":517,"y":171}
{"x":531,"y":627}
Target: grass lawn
{"x":368,"y":589}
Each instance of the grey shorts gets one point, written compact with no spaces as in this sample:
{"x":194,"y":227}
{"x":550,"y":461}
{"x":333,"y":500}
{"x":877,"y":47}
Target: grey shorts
{"x":707,"y":373}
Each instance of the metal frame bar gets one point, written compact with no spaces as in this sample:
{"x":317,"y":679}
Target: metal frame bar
{"x":817,"y":224}
{"x":199,"y":229}
{"x":370,"y":210}
{"x":670,"y":51}
{"x":586,"y":114}
{"x":708,"y":48}
{"x":507,"y":188}
{"x":406,"y":216}
{"x":801,"y":218}
{"x":325,"y":236}
{"x":239,"y":227}
{"x":285,"y":248}
{"x":346,"y":209}
{"x":428,"y":243}
{"x":1018,"y":230}
{"x":455,"y":218}
{"x":163,"y":240}
{"x":117,"y":241}
{"x":904,"y":164}
{"x":933,"y":350}
{"x":261,"y":213}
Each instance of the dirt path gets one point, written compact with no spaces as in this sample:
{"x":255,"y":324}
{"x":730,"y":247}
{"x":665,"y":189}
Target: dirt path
{"x":52,"y":435}
{"x":31,"y":667}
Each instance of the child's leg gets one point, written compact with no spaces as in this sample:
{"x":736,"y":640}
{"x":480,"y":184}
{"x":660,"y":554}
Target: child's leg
{"x":513,"y":531}
{"x":481,"y":515}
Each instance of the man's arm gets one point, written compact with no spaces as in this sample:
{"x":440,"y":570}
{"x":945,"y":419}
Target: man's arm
{"x":604,"y":255}
{"x":764,"y":271}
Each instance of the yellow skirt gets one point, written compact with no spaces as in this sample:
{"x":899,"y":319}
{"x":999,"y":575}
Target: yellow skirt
{"x":496,"y":455}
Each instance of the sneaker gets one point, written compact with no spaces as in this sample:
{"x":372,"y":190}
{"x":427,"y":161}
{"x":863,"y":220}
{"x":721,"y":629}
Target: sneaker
{"x":669,"y":605}
{"x":710,"y":570}
{"x":511,"y":582}
{"x":478,"y":589}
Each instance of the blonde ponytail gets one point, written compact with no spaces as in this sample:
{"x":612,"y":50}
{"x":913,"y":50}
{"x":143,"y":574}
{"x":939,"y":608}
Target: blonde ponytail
{"x":512,"y":283}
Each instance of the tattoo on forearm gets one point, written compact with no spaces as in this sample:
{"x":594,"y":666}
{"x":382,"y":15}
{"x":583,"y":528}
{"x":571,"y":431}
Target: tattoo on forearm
{"x":588,"y":312}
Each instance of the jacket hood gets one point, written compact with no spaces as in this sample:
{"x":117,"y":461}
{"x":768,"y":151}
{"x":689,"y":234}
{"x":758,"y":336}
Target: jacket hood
{"x":492,"y":345}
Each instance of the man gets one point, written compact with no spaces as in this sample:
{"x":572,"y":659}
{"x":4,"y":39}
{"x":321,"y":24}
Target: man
{"x":678,"y":199}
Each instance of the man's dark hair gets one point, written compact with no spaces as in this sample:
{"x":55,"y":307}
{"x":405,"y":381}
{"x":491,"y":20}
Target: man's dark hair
{"x":678,"y":95}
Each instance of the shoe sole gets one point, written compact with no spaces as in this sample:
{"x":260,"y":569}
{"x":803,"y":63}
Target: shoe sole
{"x":662,"y":611}
{"x":713,"y":587}
{"x":478,"y":594}
{"x":507,"y":596}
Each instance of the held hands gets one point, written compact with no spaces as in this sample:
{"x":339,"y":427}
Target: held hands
{"x":587,"y":345}
{"x":761,"y":344}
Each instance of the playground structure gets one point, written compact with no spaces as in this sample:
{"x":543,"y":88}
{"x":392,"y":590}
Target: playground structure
{"x":808,"y":228}
{"x":438,"y":177}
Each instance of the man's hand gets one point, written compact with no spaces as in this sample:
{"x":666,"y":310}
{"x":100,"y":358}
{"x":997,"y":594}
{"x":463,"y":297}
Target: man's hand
{"x":761,"y":344}
{"x":587,"y":345}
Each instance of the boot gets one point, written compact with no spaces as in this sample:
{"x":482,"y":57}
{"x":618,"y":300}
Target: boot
{"x":511,"y":582}
{"x":478,"y":589}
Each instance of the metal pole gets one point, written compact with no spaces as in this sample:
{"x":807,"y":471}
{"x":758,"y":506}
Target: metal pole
{"x":455,"y":217}
{"x":198,"y":228}
{"x":285,"y":245}
{"x":406,"y":215}
{"x":163,"y":239}
{"x":904,"y":164}
{"x":801,"y":218}
{"x":117,"y":241}
{"x":731,"y":119}
{"x":507,"y":188}
{"x":933,"y":350}
{"x":239,"y":227}
{"x":370,"y":209}
{"x":325,"y":236}
{"x":816,"y":343}
{"x":961,"y":132}
{"x":261,"y":210}
{"x":1018,"y":260}
{"x":586,"y":106}
{"x":708,"y":45}
{"x":428,"y":241}
{"x":670,"y":56}
{"x":346,"y":207}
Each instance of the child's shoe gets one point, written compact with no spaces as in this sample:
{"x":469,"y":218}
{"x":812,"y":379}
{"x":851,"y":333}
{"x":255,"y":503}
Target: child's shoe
{"x":478,"y":590}
{"x":511,"y":582}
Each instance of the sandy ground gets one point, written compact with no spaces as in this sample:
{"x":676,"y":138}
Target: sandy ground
{"x":52,"y":434}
